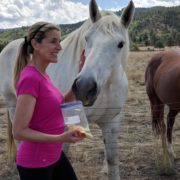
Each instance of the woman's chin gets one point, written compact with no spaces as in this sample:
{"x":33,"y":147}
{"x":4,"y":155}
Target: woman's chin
{"x":54,"y":60}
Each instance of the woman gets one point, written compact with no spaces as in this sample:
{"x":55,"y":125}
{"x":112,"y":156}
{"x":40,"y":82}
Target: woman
{"x":38,"y":122}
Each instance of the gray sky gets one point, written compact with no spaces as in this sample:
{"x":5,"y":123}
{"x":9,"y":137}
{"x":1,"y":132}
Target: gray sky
{"x":17,"y":13}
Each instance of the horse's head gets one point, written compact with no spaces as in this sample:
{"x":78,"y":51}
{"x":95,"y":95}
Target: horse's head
{"x":106,"y":50}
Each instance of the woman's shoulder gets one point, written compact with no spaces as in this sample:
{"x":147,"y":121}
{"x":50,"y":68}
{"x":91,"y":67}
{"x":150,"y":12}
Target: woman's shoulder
{"x":29,"y":82}
{"x":29,"y":75}
{"x":30,"y":72}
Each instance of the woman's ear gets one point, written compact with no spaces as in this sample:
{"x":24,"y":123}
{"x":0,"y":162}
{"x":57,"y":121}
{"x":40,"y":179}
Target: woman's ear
{"x":34,"y":44}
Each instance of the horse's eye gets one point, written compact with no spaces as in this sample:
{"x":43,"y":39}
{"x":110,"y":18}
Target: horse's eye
{"x":121,"y":44}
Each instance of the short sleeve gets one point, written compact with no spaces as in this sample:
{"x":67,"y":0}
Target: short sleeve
{"x":28,"y":85}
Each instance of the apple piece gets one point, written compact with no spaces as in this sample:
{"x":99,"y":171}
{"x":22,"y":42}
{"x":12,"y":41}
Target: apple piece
{"x":81,"y":130}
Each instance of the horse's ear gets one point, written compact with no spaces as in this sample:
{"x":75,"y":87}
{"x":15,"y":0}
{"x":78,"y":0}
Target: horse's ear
{"x":94,"y":12}
{"x":127,"y":14}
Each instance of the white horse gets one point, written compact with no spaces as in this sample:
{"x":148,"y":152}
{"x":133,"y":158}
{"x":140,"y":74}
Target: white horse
{"x":102,"y":83}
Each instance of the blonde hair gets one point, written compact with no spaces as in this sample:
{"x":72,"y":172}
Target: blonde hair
{"x":38,"y":32}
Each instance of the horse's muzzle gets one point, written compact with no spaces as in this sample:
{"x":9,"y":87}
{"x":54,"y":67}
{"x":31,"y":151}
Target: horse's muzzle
{"x":85,"y":90}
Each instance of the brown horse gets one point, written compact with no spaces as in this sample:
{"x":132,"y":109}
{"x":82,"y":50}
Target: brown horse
{"x":162,"y":79}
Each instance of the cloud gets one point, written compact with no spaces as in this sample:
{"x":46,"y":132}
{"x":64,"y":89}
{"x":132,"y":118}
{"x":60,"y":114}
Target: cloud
{"x":24,"y":12}
{"x":17,"y":13}
{"x":150,"y":3}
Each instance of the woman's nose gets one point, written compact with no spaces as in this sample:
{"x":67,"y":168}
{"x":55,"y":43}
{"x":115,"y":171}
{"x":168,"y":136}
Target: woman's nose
{"x":59,"y":47}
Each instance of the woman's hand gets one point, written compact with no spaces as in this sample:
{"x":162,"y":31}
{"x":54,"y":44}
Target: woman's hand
{"x":71,"y":136}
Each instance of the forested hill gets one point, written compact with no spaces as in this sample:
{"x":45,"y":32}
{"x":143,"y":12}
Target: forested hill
{"x":157,"y":26}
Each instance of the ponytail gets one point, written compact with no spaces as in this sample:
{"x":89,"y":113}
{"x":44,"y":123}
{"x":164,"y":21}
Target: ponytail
{"x":21,"y":60}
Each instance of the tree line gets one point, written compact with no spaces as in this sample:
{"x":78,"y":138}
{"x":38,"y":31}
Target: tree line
{"x":157,"y":26}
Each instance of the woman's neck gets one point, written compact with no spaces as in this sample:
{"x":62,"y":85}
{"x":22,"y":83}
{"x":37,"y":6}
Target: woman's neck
{"x":37,"y":63}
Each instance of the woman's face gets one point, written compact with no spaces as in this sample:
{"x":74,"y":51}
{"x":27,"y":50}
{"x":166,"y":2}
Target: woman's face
{"x":50,"y":46}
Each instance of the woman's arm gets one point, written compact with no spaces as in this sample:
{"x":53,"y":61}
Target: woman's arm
{"x":24,"y":110}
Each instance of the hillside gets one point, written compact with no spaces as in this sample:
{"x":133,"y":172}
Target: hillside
{"x":157,"y":26}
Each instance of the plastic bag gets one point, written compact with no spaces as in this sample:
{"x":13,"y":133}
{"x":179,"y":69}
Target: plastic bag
{"x":75,"y":117}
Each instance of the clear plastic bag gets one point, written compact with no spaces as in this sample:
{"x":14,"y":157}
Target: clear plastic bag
{"x":75,"y":117}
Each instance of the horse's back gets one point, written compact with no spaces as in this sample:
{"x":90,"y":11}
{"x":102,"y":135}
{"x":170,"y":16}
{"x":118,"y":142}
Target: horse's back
{"x":7,"y":60}
{"x":151,"y":69}
{"x":163,"y":76}
{"x":8,"y":56}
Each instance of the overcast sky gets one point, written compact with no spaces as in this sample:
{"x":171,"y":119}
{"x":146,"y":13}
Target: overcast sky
{"x":17,"y":13}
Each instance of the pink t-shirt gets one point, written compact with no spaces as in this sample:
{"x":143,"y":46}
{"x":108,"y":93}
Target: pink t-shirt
{"x":47,"y":118}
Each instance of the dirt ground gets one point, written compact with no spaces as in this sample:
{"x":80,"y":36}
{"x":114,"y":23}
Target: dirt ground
{"x":136,"y":144}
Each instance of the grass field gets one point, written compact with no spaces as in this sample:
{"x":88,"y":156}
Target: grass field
{"x":136,"y":145}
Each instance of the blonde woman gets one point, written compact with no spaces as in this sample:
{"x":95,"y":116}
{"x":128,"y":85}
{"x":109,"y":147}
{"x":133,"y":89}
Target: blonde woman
{"x":38,"y":122}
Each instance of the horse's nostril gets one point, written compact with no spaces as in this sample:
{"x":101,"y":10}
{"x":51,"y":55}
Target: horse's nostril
{"x":74,"y":87}
{"x":92,"y":91}
{"x":77,"y":85}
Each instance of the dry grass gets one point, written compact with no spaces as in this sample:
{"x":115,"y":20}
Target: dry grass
{"x":136,"y":145}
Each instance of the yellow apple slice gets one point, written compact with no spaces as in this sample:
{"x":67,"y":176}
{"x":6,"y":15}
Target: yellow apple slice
{"x":81,"y":129}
